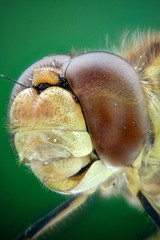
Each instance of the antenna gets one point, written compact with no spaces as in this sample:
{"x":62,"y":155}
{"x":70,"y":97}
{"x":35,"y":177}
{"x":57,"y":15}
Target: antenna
{"x":11,"y":80}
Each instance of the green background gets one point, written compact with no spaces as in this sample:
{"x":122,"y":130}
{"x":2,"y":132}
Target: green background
{"x":30,"y":30}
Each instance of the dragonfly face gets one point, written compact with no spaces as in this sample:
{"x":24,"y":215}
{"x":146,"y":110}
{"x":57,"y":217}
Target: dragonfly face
{"x":53,"y":135}
{"x":81,"y":121}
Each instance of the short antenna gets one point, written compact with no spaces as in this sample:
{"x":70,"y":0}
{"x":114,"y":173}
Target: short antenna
{"x":11,"y":80}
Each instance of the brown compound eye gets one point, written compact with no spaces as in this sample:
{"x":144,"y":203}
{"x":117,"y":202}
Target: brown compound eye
{"x":112,"y":99}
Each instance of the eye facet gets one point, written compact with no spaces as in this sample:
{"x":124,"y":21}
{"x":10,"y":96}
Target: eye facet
{"x":112,"y":99}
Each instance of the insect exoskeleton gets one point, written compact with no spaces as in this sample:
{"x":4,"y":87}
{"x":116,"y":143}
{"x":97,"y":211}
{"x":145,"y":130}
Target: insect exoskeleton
{"x":79,"y":119}
{"x":48,"y":125}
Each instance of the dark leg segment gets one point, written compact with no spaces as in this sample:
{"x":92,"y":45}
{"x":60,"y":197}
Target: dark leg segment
{"x":149,"y":209}
{"x":53,"y":217}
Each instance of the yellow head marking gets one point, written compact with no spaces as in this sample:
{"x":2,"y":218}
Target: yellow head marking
{"x":44,"y":75}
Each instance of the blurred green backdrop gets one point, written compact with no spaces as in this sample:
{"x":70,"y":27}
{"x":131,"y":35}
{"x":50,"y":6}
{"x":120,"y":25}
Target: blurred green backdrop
{"x":30,"y":30}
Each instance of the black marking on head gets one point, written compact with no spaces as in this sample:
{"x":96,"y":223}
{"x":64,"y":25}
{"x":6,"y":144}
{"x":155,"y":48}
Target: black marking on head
{"x":42,"y":86}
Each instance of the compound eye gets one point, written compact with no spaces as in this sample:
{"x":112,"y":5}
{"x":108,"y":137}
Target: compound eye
{"x":111,"y":96}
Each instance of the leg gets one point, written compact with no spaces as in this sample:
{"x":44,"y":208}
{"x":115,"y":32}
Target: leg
{"x":53,"y":217}
{"x":149,"y":209}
